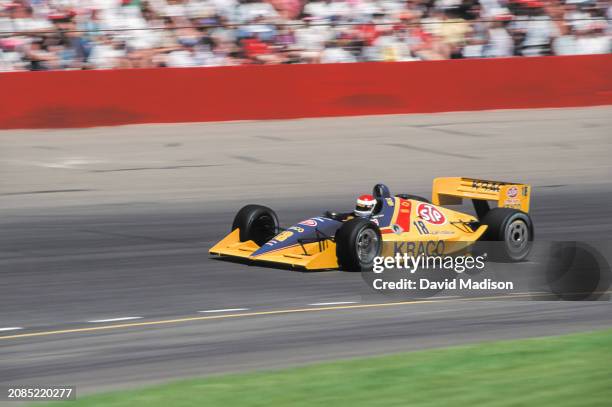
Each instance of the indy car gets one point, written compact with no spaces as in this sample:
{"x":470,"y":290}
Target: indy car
{"x":399,"y":223}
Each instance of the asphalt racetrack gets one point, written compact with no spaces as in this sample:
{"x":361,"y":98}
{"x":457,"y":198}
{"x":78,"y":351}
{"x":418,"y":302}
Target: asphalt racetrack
{"x":105,"y":278}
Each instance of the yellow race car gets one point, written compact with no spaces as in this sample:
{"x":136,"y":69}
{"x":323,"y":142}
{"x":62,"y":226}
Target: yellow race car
{"x":398,"y":224}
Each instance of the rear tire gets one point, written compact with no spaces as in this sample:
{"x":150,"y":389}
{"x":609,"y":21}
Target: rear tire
{"x":257,"y":223}
{"x":415,"y":197}
{"x":513,"y":228}
{"x":358,"y":242}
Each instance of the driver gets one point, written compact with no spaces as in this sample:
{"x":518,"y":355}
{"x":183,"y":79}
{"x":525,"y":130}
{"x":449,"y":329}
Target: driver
{"x":365,"y":206}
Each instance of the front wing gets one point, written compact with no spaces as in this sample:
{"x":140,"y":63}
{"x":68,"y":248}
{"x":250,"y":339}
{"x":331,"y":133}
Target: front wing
{"x":310,"y":256}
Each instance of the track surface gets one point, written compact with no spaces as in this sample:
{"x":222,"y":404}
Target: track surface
{"x":115,"y":223}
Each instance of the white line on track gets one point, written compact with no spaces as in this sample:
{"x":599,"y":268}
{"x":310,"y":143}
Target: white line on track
{"x":96,"y":321}
{"x":11,"y":328}
{"x":334,"y":303}
{"x":225,"y":310}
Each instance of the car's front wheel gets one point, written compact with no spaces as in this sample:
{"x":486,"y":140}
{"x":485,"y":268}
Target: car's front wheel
{"x":358,"y":242}
{"x":257,"y":223}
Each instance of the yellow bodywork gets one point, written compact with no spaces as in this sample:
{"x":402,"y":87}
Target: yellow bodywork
{"x":409,"y":232}
{"x":293,"y":256}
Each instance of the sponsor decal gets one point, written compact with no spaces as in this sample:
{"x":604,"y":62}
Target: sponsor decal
{"x":525,"y":191}
{"x":309,"y":222}
{"x":403,"y":216}
{"x":281,"y":237}
{"x":512,"y":203}
{"x":414,"y":249}
{"x":512,"y":198}
{"x":421,"y":228}
{"x":486,"y":185}
{"x":297,"y":229}
{"x":390,"y":201}
{"x":431,"y":214}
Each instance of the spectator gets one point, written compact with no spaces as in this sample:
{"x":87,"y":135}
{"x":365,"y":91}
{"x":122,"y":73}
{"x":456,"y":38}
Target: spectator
{"x":24,"y":21}
{"x":593,"y":40}
{"x":500,"y":43}
{"x":107,"y":53}
{"x":334,"y":53}
{"x":107,"y":34}
{"x":539,"y":30}
{"x":311,"y":38}
{"x":388,"y":46}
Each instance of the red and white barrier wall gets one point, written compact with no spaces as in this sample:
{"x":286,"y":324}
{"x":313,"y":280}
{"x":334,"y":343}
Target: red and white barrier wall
{"x":102,"y":98}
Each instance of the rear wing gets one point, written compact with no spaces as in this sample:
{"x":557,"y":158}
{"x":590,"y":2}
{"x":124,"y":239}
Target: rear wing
{"x":452,"y":190}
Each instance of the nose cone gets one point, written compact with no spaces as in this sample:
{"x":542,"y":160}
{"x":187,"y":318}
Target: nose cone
{"x":306,"y":230}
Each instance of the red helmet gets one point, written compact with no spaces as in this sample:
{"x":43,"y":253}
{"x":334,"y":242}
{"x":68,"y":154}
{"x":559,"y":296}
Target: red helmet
{"x":365,"y":206}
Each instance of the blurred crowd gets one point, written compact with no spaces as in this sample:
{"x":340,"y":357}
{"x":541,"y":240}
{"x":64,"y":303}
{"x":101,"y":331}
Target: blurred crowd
{"x":105,"y":34}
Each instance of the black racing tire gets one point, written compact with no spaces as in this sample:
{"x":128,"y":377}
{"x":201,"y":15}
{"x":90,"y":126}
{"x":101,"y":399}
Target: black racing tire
{"x":415,"y":197}
{"x":353,"y":241}
{"x":257,"y":223}
{"x":513,"y":228}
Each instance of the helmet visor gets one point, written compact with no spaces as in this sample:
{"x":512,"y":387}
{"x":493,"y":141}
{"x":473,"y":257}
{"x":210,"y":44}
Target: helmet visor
{"x":364,"y":208}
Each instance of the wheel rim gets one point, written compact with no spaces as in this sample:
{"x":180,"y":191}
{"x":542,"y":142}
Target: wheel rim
{"x":367,"y":245}
{"x":517,"y":237}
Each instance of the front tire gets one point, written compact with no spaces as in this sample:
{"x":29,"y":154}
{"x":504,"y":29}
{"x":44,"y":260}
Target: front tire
{"x":358,"y":242}
{"x":513,"y":229}
{"x":257,"y":223}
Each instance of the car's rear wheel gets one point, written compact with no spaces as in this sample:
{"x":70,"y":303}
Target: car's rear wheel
{"x":257,"y":223}
{"x":358,"y":242}
{"x":513,"y":229}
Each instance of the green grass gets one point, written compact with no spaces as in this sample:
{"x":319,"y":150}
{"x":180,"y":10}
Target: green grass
{"x":571,"y":370}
